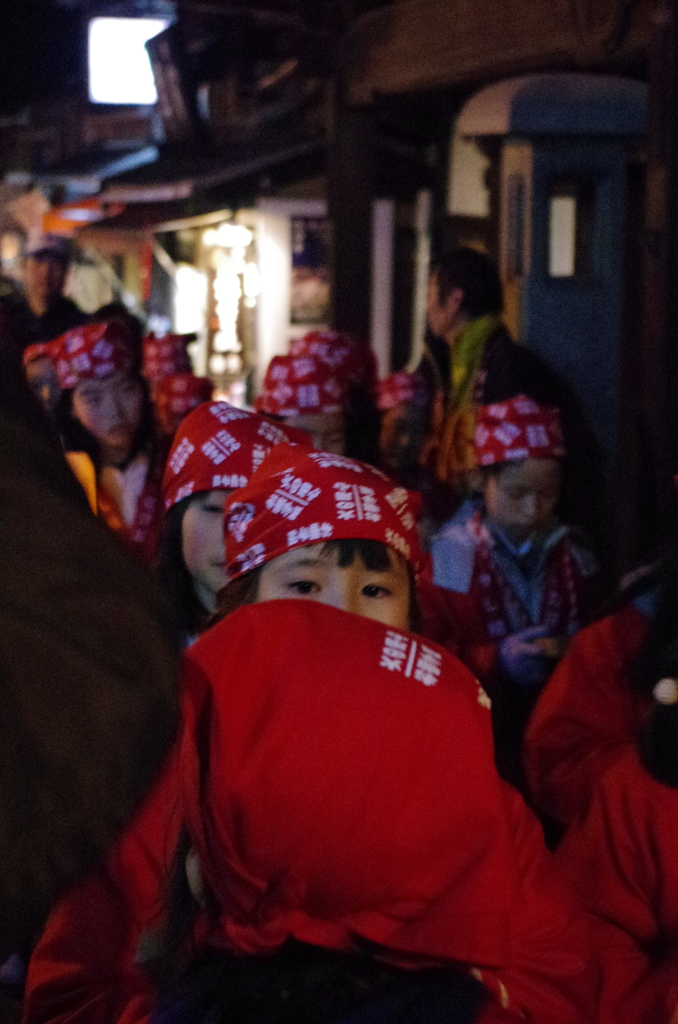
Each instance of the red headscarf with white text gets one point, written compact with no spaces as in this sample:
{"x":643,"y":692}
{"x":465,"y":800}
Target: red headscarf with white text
{"x":338,"y":785}
{"x":300,"y":497}
{"x":218,"y":447}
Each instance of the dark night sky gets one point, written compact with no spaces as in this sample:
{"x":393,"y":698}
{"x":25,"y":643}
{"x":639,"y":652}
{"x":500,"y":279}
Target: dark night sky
{"x":42,"y":53}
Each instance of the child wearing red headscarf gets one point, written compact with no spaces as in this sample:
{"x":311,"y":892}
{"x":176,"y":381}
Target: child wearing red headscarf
{"x":408,"y":407}
{"x":519,"y":584}
{"x":215,"y":451}
{"x":41,"y":375}
{"x":104,"y":411}
{"x":350,"y":366}
{"x":176,"y":395}
{"x":329,"y":825}
{"x":306,"y":394}
{"x":174,"y":388}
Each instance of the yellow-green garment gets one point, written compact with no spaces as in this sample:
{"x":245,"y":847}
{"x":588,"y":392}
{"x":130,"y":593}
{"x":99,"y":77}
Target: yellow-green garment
{"x":455,"y":451}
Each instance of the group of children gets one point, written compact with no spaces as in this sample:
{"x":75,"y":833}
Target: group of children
{"x":330,"y":839}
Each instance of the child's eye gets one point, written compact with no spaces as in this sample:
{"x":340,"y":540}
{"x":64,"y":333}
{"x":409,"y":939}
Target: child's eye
{"x":304,"y":587}
{"x":373,"y":590}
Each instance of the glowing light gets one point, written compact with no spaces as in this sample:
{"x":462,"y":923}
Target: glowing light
{"x":210,"y":237}
{"x":234,"y":236}
{"x":119,"y":67}
{"x":218,"y":364}
{"x":190,"y":299}
{"x":223,"y":343}
{"x":251,"y":281}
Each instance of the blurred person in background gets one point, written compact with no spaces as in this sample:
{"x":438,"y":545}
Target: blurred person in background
{"x":87,"y":672}
{"x":105,"y":411}
{"x":306,"y":394}
{"x":473,"y":360}
{"x":43,"y":312}
{"x":41,"y":376}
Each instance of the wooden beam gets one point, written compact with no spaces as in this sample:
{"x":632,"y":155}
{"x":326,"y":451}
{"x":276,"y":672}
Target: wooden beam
{"x":351,"y":185}
{"x":422,"y":44}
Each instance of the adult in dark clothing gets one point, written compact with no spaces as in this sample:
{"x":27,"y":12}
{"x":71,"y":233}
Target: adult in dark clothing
{"x":87,"y":671}
{"x":474,"y":361}
{"x":43,"y":312}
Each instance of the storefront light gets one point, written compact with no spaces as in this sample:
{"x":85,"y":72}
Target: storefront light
{"x":217,"y":364}
{"x":234,"y":236}
{"x":230,"y":236}
{"x":251,"y":281}
{"x":190,"y":298}
{"x":224,"y":343}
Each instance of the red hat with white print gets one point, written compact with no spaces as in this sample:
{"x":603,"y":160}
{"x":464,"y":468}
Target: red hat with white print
{"x":402,"y":387}
{"x":165,"y":356}
{"x":176,"y":396}
{"x":519,"y":428}
{"x":41,"y":350}
{"x":301,"y":386}
{"x":218,"y":447}
{"x":91,"y":352}
{"x":341,"y":352}
{"x":338,"y":785}
{"x":300,"y":497}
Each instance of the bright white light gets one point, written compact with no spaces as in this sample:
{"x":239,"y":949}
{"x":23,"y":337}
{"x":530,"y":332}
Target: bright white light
{"x":218,"y":364}
{"x":562,"y":236}
{"x":119,"y":67}
{"x":234,"y":236}
{"x":210,"y":237}
{"x":190,"y":299}
{"x":251,"y":281}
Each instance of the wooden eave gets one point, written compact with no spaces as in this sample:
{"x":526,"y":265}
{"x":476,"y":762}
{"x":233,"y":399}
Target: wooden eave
{"x":416,"y":45}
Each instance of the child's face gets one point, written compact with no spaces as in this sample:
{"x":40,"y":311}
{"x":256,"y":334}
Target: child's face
{"x":326,"y":429}
{"x":313,"y":574}
{"x":402,"y":435}
{"x":202,"y":545}
{"x":43,"y":382}
{"x":111,"y":410}
{"x":522,"y":497}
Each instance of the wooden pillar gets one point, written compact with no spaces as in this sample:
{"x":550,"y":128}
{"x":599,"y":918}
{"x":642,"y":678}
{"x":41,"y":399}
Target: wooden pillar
{"x":351,"y":172}
{"x":658,"y":384}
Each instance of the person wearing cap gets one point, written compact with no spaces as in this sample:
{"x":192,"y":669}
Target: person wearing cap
{"x":215,"y":451}
{"x":324,"y":830}
{"x":306,"y":393}
{"x":621,"y":857}
{"x":43,"y":312}
{"x":105,"y":412}
{"x":519,"y":583}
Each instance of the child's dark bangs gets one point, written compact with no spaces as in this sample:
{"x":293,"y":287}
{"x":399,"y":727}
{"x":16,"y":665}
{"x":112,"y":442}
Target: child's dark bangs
{"x":373,"y":553}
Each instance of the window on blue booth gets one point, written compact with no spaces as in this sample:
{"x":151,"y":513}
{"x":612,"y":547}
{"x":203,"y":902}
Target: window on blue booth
{"x":570,"y":228}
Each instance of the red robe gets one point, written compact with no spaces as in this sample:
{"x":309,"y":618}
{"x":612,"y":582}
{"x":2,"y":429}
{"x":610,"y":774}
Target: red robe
{"x":588,"y":710}
{"x":84,"y":968}
{"x":623,"y":858}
